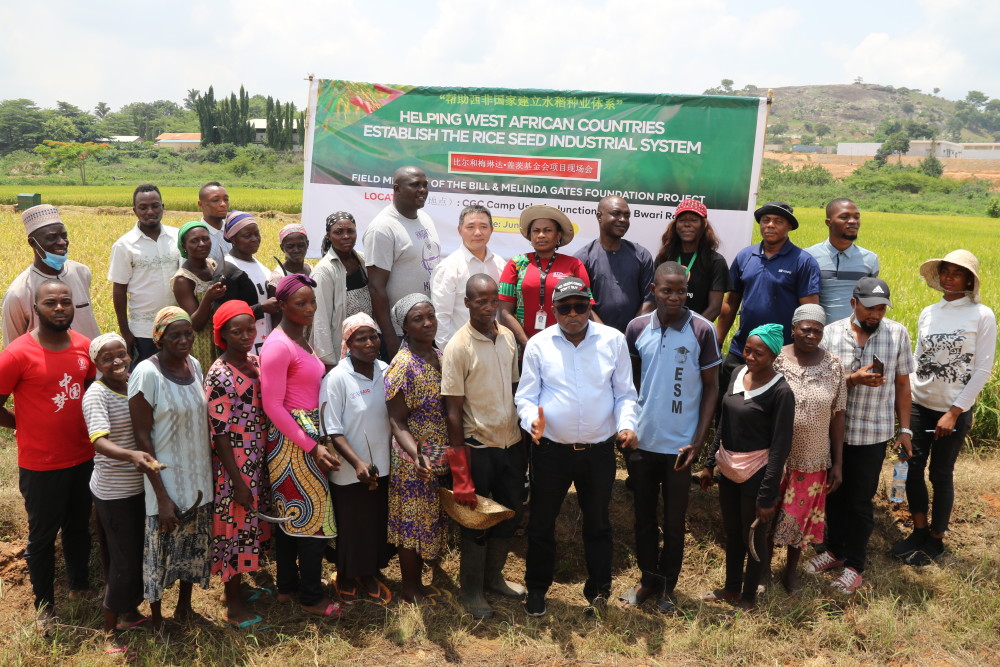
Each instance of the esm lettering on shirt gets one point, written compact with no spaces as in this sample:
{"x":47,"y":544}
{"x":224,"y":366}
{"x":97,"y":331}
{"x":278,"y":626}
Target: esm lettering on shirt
{"x":677,"y":406}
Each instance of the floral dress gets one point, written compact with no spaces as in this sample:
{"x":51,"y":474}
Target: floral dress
{"x":416,"y":519}
{"x":820,"y":392}
{"x":234,"y":408}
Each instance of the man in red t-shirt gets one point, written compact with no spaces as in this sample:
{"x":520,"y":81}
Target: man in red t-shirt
{"x":47,"y":370}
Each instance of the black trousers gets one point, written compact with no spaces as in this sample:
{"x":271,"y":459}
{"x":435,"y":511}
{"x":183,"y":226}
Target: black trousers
{"x":124,"y":523}
{"x":653,"y":475}
{"x":300,"y":566}
{"x":942,"y":453}
{"x":144,"y":349}
{"x":738,"y":505}
{"x":498,"y":474}
{"x":57,"y":501}
{"x":592,"y":471}
{"x":850,"y":513}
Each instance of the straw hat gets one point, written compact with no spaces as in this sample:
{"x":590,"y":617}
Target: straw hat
{"x":963,"y":258}
{"x":487,"y":514}
{"x":532,"y":213}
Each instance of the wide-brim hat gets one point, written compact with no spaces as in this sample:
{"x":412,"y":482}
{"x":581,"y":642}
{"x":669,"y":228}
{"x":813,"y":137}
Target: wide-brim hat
{"x":963,"y":258}
{"x":784,"y":209}
{"x":487,"y":513}
{"x":532,"y":213}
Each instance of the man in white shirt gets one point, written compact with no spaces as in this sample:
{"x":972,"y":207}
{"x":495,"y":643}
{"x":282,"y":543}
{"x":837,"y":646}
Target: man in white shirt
{"x":448,"y":281}
{"x":49,"y":243}
{"x":142,"y":262}
{"x":213,"y":202}
{"x":577,"y":399}
{"x":401,"y":250}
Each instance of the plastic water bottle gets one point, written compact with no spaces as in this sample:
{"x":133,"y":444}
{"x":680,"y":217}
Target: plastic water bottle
{"x":897,"y":493}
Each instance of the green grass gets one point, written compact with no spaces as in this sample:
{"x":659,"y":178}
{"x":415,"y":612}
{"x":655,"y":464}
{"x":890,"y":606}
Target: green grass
{"x":174,"y":198}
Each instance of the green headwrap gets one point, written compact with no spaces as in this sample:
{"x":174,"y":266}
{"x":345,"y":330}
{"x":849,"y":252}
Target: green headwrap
{"x":773,"y":336}
{"x":188,"y":226}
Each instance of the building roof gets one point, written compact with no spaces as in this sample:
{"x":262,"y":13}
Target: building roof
{"x":261,"y":123}
{"x":121,"y":138}
{"x":179,"y":137}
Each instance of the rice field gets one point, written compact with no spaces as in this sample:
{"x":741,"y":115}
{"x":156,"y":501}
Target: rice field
{"x":174,"y":198}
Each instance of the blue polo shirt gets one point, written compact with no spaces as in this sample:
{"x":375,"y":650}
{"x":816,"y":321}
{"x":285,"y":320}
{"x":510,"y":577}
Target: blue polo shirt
{"x":771,"y":288}
{"x":838,"y":272}
{"x":670,"y":385}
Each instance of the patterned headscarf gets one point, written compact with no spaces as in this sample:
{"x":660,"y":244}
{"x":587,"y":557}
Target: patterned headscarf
{"x":773,"y":336}
{"x":809,"y":311}
{"x":291,"y":228}
{"x":102,"y":340}
{"x":164,"y":318}
{"x":404,"y":305}
{"x":291,"y":284}
{"x":352,"y":324}
{"x":226,"y":312}
{"x":235,"y":221}
{"x":187,"y":227}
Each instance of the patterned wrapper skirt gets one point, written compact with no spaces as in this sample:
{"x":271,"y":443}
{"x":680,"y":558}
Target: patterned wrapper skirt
{"x":416,"y":519}
{"x":181,"y":554}
{"x":298,"y":488}
{"x":802,"y":513}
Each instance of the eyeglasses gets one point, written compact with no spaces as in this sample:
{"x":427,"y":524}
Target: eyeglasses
{"x":856,"y":364}
{"x":567,"y":308}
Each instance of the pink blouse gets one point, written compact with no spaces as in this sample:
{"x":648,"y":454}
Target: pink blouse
{"x":289,"y":379}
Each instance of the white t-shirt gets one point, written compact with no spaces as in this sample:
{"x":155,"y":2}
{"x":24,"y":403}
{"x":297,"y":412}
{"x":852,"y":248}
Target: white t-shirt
{"x":259,"y":275}
{"x":408,"y":249}
{"x":146,"y":267}
{"x":356,"y":409}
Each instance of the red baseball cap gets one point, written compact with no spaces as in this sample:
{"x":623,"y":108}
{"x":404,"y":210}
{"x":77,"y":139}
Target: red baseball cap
{"x":692,"y":205}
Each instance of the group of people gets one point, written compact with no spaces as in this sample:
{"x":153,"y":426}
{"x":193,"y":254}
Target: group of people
{"x":339,"y":411}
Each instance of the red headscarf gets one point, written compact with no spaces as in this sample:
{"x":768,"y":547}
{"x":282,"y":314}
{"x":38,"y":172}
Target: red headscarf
{"x":226,"y":312}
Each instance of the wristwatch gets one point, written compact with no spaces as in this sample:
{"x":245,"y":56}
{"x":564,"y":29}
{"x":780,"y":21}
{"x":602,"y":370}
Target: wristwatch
{"x":906,"y":431}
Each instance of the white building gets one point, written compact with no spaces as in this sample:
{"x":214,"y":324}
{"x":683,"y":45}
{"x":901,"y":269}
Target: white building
{"x":925,"y":147}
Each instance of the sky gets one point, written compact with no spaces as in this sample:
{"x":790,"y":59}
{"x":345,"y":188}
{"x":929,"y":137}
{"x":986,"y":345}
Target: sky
{"x":121,"y":52}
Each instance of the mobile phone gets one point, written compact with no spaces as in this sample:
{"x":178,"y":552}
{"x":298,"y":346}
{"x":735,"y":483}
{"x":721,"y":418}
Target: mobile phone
{"x":877,"y":366}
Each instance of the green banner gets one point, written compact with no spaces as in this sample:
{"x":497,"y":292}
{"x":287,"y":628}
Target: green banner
{"x":566,"y":145}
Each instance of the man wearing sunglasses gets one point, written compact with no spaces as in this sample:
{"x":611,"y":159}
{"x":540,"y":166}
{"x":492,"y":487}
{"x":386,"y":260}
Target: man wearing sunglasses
{"x":875,"y":354}
{"x":577,"y":400}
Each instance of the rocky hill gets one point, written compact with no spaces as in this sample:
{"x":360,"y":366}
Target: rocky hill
{"x":852,"y":112}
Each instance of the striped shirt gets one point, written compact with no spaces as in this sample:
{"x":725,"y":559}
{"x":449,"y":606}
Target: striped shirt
{"x":839,"y":270}
{"x":108,"y":416}
{"x":871,"y":410}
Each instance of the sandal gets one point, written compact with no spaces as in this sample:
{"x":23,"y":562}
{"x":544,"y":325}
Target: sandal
{"x":133,"y":624}
{"x":347,"y":590}
{"x":631,"y":597}
{"x":333,"y":610}
{"x":255,"y":594}
{"x":438,"y":593}
{"x":719,"y":595}
{"x":243,"y":625}
{"x":383,"y":596}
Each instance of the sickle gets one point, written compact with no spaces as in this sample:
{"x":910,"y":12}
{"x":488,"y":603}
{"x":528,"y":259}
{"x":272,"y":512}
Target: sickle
{"x":272,"y":519}
{"x":183,"y":514}
{"x":372,"y":468}
{"x":753,"y":530}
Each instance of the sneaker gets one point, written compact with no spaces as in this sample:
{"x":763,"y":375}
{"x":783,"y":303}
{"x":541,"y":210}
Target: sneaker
{"x":904,"y":548}
{"x":823,"y":562}
{"x":535,"y":604}
{"x":848,"y":582}
{"x":929,"y":552}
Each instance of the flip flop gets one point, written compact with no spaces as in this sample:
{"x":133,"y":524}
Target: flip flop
{"x":716,"y":596}
{"x":383,"y":596}
{"x":133,"y":624}
{"x":631,"y":596}
{"x":347,"y":591}
{"x":333,"y":610}
{"x":243,"y":625}
{"x":438,"y":593}
{"x":258,"y":593}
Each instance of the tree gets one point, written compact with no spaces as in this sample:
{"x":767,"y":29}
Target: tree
{"x":302,"y":130}
{"x":207,"y":118}
{"x":937,"y":90}
{"x":727,"y":85}
{"x":58,"y":128}
{"x":20,"y":124}
{"x":822,"y":129}
{"x":777,"y":129}
{"x":931,"y":166}
{"x":907,"y":107}
{"x":807,"y":140}
{"x":65,"y":154}
{"x":191,"y":99}
{"x":895,"y":144}
{"x":101,"y":110}
{"x":976,"y":99}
